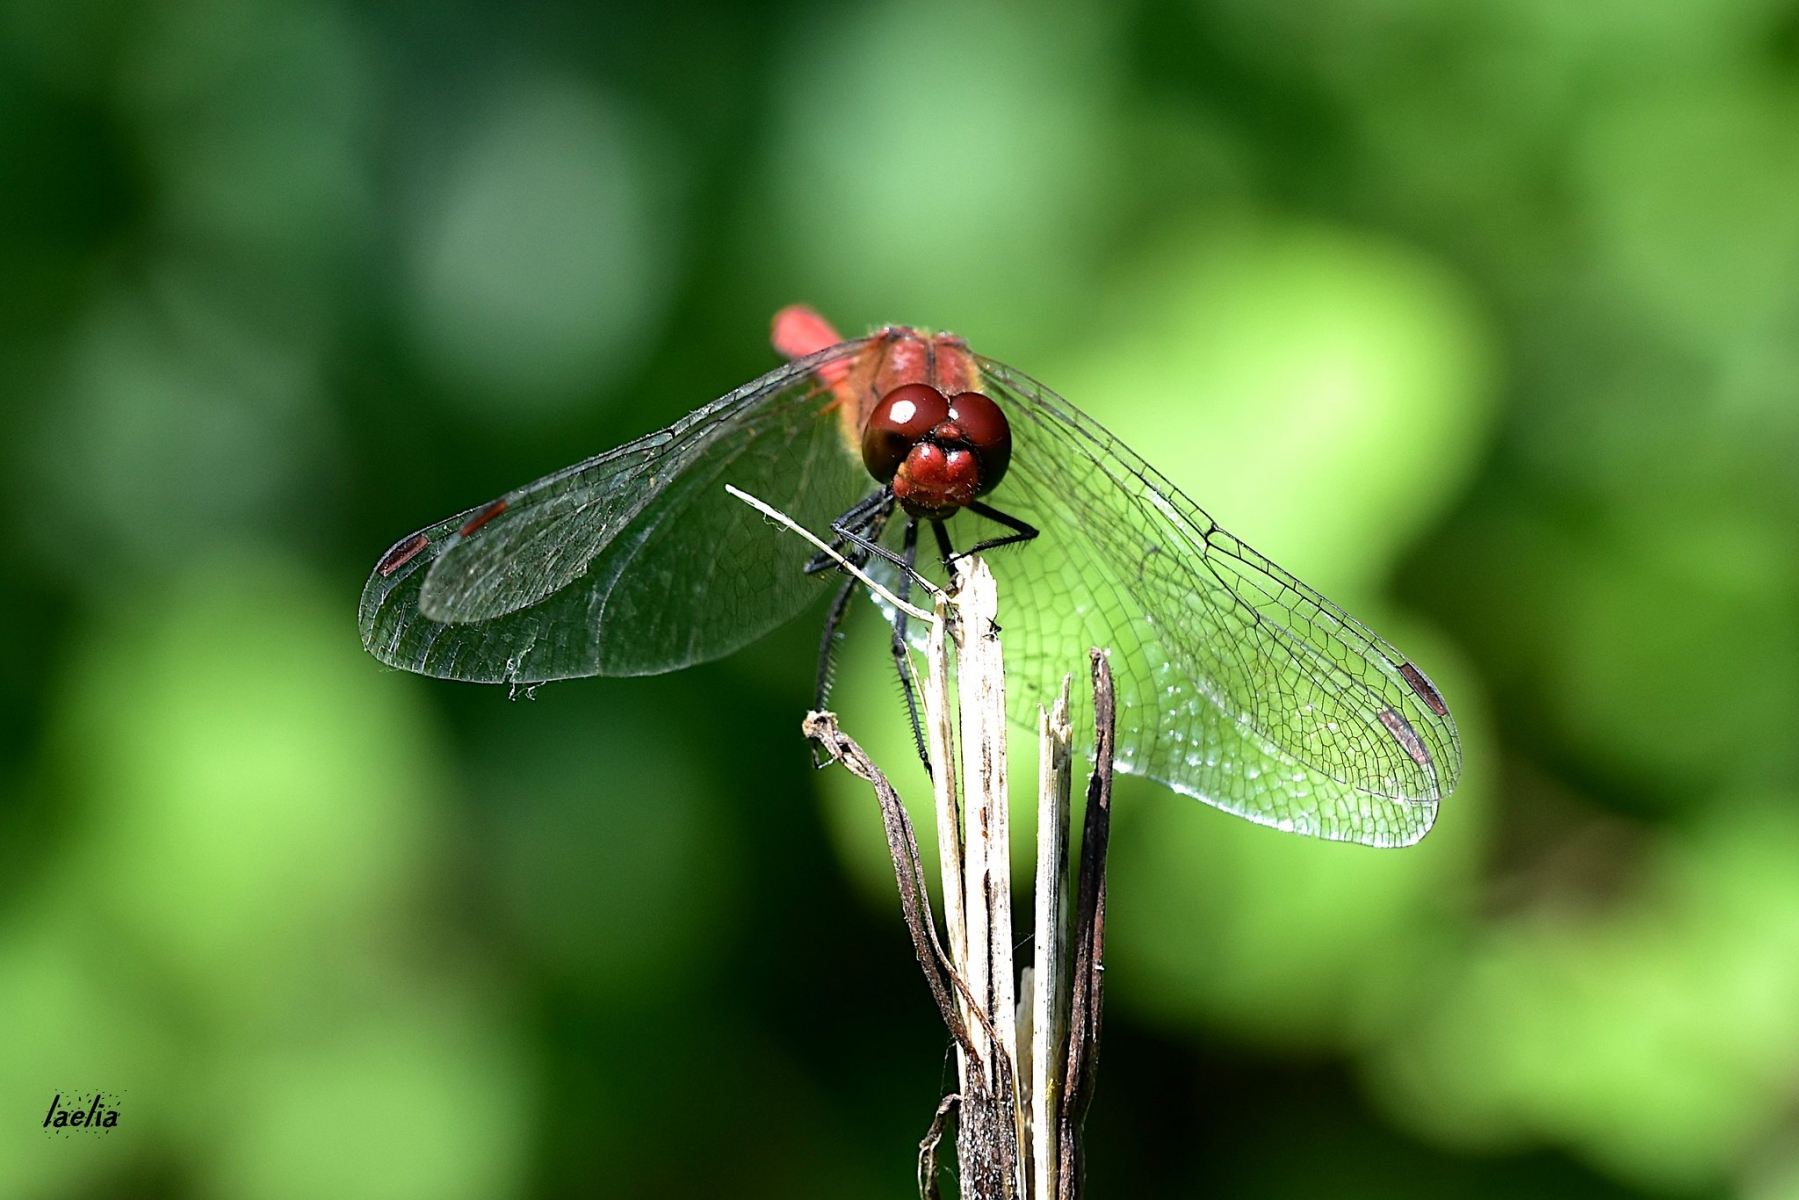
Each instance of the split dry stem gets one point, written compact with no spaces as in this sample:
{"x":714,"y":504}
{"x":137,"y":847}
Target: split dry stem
{"x":1018,"y":1134}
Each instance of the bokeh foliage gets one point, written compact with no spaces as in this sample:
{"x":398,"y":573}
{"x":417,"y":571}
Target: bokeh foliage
{"x":1481,"y":316}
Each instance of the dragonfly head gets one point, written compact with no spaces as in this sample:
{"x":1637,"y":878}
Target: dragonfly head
{"x":938,"y":453}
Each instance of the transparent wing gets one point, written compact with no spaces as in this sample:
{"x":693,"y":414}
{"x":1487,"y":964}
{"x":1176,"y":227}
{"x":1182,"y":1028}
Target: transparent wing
{"x":1237,"y":684}
{"x":633,"y":562}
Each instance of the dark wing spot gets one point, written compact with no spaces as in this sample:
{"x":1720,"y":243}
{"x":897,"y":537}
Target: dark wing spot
{"x":483,"y":517}
{"x":1427,"y":691}
{"x":402,"y":554}
{"x":1406,"y":736}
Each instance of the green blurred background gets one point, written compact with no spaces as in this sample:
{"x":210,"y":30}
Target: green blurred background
{"x":1481,"y":315}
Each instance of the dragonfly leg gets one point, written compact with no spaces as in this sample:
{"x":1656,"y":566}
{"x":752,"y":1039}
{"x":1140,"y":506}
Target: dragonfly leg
{"x":833,"y":634}
{"x":865,"y":544}
{"x":851,"y":551}
{"x":948,"y":551}
{"x":945,"y":551}
{"x":909,"y":553}
{"x":869,"y":513}
{"x":1021,"y":532}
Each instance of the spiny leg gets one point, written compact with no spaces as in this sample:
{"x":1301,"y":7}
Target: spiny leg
{"x":950,"y":556}
{"x":833,"y":632}
{"x":1021,"y":532}
{"x":860,"y":530}
{"x":863,"y":538}
{"x":909,"y":557}
{"x":867,"y":517}
{"x":945,"y":551}
{"x":833,"y":626}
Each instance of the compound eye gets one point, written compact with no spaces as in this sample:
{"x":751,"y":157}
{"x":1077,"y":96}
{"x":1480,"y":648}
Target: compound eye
{"x":988,"y":433}
{"x":901,"y":419}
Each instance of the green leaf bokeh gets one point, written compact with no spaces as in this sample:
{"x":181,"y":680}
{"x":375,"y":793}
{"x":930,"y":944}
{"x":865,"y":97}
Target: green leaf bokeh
{"x":1482,"y":316}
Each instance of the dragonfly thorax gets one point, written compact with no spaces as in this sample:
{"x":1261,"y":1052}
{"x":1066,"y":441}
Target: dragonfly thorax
{"x":938,"y":453}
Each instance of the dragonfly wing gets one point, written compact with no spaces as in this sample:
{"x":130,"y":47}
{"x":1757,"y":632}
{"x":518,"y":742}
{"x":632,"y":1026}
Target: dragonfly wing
{"x":1237,"y":684}
{"x":634,"y":562}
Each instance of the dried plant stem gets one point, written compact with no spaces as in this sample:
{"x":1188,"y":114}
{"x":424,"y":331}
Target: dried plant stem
{"x":1017,"y":1135}
{"x":987,"y":880}
{"x":902,"y":843}
{"x":1089,"y":940}
{"x":942,"y":739}
{"x":927,"y":1149}
{"x":1049,"y":999}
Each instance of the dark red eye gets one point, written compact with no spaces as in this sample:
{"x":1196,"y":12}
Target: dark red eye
{"x":985,"y":428}
{"x":903,"y":416}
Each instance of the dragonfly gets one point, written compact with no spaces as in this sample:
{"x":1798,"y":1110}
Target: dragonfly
{"x":1236,"y":684}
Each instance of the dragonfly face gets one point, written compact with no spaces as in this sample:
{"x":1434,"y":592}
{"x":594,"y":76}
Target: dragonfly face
{"x":1237,"y":684}
{"x":937,"y":453}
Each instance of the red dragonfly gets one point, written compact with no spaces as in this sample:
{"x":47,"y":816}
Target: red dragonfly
{"x":1236,"y":683}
